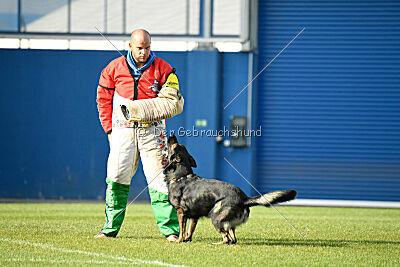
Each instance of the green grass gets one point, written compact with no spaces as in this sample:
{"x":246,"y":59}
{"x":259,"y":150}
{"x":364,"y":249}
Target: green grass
{"x":59,"y":234}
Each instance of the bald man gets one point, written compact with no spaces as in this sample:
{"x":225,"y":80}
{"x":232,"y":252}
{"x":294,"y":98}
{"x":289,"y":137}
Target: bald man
{"x":137,"y":76}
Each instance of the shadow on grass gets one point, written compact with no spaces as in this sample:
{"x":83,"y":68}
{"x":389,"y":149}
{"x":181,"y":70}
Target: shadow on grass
{"x":311,"y":243}
{"x":141,"y":237}
{"x":280,"y":242}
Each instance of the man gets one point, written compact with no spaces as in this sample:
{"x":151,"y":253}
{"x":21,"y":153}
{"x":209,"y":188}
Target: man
{"x":139,"y":75}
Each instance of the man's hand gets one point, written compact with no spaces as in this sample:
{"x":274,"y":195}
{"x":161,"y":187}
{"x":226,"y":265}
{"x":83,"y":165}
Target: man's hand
{"x":109,"y":137}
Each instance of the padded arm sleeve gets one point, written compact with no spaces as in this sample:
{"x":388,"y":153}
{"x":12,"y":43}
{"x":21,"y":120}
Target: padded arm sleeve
{"x":168,"y":104}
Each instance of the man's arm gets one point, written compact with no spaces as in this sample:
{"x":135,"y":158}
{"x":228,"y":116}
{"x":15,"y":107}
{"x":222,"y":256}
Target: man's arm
{"x":105,"y":95}
{"x":168,"y":104}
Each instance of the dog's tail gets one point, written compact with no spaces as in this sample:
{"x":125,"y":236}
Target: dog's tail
{"x":271,"y":198}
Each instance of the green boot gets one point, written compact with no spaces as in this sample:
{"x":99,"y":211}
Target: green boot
{"x":166,"y":217}
{"x":116,"y":201}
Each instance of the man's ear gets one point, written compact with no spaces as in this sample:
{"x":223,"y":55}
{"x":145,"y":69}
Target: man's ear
{"x":172,"y":140}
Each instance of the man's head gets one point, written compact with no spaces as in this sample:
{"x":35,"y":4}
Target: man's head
{"x":140,"y":46}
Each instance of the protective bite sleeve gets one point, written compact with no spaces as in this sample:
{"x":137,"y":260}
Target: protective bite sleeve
{"x":168,"y":104}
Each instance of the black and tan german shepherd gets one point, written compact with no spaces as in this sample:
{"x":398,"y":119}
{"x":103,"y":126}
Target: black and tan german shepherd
{"x":194,"y":197}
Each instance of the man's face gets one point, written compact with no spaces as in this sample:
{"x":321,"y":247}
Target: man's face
{"x":140,"y":47}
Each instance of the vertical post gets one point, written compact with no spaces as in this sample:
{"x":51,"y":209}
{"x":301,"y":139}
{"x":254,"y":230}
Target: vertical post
{"x":205,"y":25}
{"x":253,"y":24}
{"x":207,"y":19}
{"x":123,"y":16}
{"x":69,"y":17}
{"x":187,"y":17}
{"x":105,"y":15}
{"x":244,"y":16}
{"x":250,"y":96}
{"x":19,"y":16}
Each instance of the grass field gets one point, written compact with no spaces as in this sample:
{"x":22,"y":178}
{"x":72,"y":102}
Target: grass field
{"x":58,"y":234}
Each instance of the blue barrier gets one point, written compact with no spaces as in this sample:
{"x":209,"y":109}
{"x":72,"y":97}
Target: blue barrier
{"x":51,"y":140}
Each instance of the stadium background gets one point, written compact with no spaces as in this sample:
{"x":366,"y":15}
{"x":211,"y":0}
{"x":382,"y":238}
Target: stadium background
{"x":328,"y":105}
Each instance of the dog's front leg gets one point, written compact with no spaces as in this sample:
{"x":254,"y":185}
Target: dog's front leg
{"x":182,"y":224}
{"x":190,"y":230}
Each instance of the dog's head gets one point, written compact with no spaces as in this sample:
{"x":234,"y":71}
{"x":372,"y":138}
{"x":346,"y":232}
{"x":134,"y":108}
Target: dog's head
{"x":180,"y":161}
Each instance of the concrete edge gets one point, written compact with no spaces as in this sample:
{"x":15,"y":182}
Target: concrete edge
{"x":61,"y":201}
{"x":296,"y":202}
{"x":342,"y":203}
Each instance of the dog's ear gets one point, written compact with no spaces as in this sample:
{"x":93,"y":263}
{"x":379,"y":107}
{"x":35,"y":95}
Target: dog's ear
{"x":172,"y":140}
{"x":192,"y":162}
{"x":191,"y":159}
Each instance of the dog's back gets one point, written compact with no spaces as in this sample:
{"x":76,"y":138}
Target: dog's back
{"x":194,"y":197}
{"x":198,"y":196}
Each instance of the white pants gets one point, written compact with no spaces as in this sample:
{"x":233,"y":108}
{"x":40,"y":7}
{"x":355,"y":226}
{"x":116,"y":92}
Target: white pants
{"x":126,"y":144}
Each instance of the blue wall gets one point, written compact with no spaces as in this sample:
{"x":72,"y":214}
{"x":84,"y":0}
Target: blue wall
{"x":331,"y":101}
{"x":51,"y":140}
{"x":235,"y":78}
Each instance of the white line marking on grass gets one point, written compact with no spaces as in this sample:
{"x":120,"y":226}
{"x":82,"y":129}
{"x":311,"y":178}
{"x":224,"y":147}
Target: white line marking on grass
{"x":25,"y":260}
{"x":66,"y":250}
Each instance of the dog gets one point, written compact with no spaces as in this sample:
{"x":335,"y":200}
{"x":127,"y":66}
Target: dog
{"x":194,"y":197}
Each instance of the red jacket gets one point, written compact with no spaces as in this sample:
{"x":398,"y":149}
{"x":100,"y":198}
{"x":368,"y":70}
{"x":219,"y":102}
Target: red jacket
{"x":116,"y":78}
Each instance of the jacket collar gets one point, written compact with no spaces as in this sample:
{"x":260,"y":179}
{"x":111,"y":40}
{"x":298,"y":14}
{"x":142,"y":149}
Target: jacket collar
{"x":135,"y":70}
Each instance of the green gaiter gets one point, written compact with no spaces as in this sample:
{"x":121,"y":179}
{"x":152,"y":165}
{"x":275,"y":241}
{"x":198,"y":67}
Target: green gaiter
{"x":166,"y":217}
{"x":116,"y":201}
